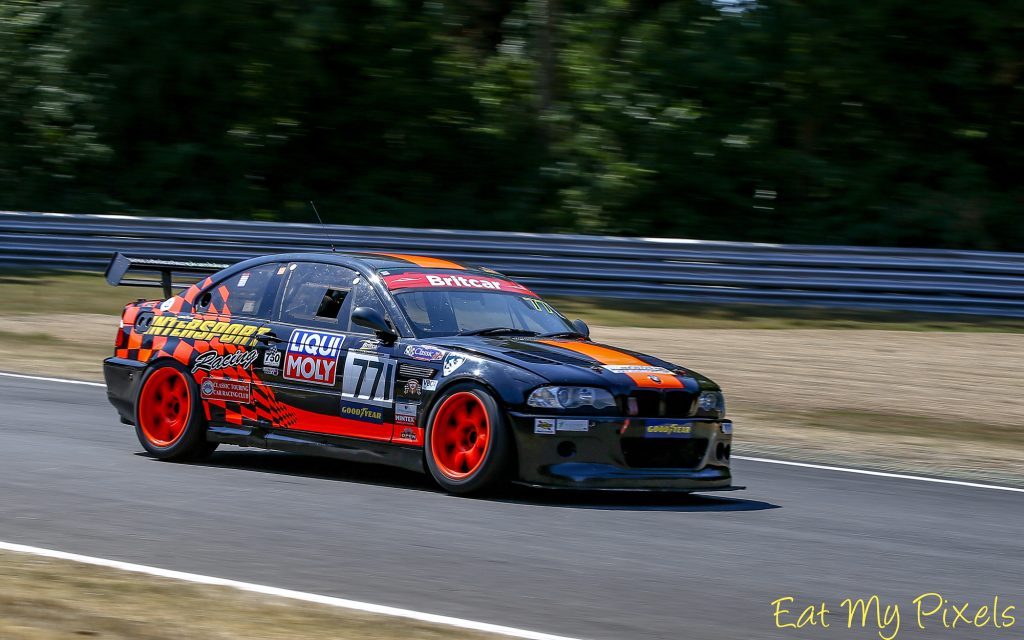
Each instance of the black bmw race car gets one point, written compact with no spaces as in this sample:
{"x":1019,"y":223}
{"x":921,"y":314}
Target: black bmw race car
{"x":404,"y":360}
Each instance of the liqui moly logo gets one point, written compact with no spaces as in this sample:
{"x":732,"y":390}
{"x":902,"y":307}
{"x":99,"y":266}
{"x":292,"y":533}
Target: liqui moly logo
{"x":313,"y":357}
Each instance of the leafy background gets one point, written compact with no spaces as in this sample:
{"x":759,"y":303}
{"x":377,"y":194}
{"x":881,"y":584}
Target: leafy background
{"x":880,"y":123}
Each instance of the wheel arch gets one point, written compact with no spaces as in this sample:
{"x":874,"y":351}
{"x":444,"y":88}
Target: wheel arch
{"x":503,"y":408}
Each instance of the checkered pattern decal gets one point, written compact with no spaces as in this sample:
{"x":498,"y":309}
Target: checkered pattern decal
{"x":164,"y":332}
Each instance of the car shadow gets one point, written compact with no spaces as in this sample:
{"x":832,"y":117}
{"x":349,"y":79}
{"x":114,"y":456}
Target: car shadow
{"x":298,"y":465}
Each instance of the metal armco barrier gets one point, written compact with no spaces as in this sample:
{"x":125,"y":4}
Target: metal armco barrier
{"x":924,"y":280}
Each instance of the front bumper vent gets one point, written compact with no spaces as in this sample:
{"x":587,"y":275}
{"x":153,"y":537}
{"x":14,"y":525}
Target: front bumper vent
{"x":664,"y":453}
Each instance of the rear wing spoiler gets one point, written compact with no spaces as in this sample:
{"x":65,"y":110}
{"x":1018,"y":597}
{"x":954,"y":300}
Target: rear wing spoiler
{"x":121,"y":266}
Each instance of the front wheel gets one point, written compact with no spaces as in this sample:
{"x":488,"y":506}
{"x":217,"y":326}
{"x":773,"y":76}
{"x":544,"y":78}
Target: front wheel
{"x":468,"y":446}
{"x":169,"y":420}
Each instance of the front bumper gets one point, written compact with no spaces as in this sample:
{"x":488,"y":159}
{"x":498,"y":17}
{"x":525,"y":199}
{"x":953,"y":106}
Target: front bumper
{"x":588,"y":452}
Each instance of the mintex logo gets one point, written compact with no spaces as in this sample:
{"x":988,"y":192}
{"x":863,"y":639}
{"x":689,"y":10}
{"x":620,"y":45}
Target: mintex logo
{"x":313,"y":357}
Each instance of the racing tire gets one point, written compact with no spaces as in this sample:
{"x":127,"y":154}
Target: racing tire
{"x":169,"y":418}
{"x":468,"y":444}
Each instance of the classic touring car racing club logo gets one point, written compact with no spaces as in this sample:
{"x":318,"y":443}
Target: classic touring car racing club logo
{"x":313,"y":357}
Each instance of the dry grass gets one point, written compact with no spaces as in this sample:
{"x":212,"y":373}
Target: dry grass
{"x":70,"y":345}
{"x":45,"y":599}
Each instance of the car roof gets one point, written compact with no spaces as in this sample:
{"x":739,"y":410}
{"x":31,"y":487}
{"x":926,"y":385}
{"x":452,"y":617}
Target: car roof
{"x":397,"y":262}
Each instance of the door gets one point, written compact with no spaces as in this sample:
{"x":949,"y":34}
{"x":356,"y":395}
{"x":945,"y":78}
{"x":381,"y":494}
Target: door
{"x":229,"y":318}
{"x":326,"y":377}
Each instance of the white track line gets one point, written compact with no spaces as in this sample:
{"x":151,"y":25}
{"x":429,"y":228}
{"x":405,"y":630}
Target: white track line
{"x":864,"y":472}
{"x":43,"y":379}
{"x":285,"y":593}
{"x":881,"y":474}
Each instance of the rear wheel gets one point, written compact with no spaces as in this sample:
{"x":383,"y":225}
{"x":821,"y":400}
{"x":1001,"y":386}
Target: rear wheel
{"x":169,"y":420}
{"x":468,"y":447}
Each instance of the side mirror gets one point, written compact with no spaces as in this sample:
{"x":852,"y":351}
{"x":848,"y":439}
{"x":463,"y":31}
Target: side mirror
{"x":582,"y":327}
{"x":372,"y":319}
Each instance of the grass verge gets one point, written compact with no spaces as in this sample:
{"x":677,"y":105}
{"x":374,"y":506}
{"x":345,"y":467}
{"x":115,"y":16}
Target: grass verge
{"x":47,"y":599}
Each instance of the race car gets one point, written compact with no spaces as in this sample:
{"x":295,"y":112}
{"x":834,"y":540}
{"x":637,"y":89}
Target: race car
{"x":404,"y":360}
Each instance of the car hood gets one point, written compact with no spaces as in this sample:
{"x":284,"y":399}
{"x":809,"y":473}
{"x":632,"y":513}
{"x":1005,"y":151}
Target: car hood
{"x":581,"y":362}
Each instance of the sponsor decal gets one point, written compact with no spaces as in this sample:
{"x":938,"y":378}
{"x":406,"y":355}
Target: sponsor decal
{"x":272,"y":361}
{"x":452,"y":281}
{"x":539,"y":305}
{"x":213,"y":361}
{"x":412,"y":388}
{"x":237,"y":333}
{"x":244,"y":279}
{"x":667,"y":429}
{"x":637,"y":368}
{"x":425,"y":353}
{"x":574,"y":425}
{"x":313,"y":357}
{"x":371,"y":344}
{"x":406,"y":408}
{"x":368,"y":378}
{"x":167,"y":304}
{"x":405,"y":420}
{"x":223,"y":389}
{"x":430,"y":385}
{"x":452,"y":363}
{"x":544,"y":425}
{"x":407,"y":434}
{"x":362,"y":412}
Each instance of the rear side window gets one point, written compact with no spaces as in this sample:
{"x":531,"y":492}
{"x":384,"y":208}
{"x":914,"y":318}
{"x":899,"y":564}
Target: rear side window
{"x":247,"y":293}
{"x":316,"y":294}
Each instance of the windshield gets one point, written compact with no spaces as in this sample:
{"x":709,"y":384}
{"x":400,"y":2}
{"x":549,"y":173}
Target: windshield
{"x":451,"y":312}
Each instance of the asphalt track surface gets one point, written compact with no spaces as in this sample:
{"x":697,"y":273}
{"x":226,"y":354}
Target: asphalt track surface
{"x":624,"y":566}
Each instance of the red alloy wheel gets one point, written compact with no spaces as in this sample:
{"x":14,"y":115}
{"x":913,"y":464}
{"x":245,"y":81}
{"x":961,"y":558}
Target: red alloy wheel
{"x":165,"y":407}
{"x":461,"y":435}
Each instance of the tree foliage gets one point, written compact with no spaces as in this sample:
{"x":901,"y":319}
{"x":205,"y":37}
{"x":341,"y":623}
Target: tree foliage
{"x":885,"y":122}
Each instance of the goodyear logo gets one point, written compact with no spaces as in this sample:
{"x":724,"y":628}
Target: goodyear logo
{"x":237,"y":333}
{"x":362,"y":412}
{"x":668,"y":430}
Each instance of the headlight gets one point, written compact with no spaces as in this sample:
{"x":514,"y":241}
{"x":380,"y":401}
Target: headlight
{"x":570,"y":398}
{"x":712,"y":402}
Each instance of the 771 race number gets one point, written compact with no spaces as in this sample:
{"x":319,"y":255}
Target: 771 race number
{"x":368,"y":378}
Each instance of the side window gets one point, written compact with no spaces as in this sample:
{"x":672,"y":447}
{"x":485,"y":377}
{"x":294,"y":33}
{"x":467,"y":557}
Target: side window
{"x":247,"y":293}
{"x":316,"y":294}
{"x":363,"y":295}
